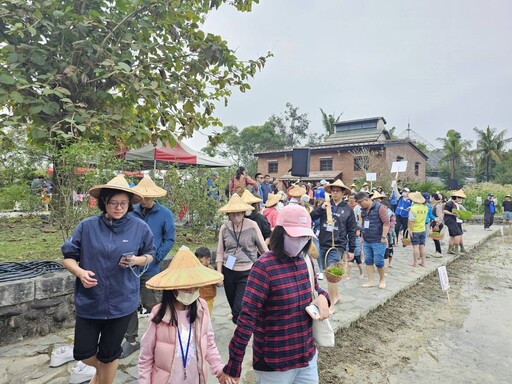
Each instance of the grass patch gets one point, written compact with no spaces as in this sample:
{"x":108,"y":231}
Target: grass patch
{"x":28,"y":238}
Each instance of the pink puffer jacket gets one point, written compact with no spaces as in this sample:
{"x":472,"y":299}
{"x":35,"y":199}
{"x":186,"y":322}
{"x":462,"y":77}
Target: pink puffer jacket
{"x":159,"y":343}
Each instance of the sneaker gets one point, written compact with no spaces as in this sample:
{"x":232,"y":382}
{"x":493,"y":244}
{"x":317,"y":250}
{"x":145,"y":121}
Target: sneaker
{"x":61,"y":356}
{"x":81,"y":373}
{"x":320,"y":276}
{"x":129,"y":348}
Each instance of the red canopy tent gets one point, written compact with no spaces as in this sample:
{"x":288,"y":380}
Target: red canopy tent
{"x":179,"y":153}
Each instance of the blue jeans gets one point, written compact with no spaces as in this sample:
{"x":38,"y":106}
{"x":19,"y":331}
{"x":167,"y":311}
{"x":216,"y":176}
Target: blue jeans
{"x":305,"y":375}
{"x":374,"y":253}
{"x":333,"y":256}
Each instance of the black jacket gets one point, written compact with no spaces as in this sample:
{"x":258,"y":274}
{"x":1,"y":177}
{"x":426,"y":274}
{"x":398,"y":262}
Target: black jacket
{"x":262,"y":222}
{"x":344,"y":226}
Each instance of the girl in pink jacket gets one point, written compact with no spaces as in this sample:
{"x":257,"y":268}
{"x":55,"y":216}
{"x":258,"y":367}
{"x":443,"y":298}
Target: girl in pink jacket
{"x":179,"y":341}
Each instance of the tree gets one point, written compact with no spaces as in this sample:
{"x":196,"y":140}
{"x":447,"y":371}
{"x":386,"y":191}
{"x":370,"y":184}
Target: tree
{"x":328,"y":121}
{"x":120,"y":71}
{"x":291,"y":126}
{"x":453,"y":148}
{"x":240,"y":146}
{"x":490,"y":148}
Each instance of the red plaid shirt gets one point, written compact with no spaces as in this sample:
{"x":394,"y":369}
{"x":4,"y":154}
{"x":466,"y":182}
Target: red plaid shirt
{"x":273,"y":308}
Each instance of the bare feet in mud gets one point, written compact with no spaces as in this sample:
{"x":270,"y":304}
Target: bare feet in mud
{"x":382,"y":284}
{"x":367,"y":285}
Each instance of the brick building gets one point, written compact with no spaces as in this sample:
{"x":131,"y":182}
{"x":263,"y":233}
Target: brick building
{"x":356,"y":147}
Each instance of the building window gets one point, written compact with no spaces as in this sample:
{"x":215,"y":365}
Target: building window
{"x":417,"y":169}
{"x":273,"y":167}
{"x":325,"y":164}
{"x":399,"y":158}
{"x":360,"y":163}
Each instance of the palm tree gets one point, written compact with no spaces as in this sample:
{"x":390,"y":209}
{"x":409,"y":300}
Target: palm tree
{"x":453,"y":148}
{"x":490,"y":148}
{"x":328,"y":121}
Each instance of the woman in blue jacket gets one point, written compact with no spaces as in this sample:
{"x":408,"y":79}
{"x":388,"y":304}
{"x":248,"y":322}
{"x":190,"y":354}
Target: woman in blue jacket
{"x":107,"y":254}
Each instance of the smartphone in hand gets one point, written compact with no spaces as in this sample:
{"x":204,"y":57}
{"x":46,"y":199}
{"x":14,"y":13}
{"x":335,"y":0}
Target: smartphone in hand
{"x":313,"y":311}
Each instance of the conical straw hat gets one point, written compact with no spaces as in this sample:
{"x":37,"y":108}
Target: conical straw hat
{"x":118,"y":183}
{"x":297,"y":191}
{"x":236,"y":204}
{"x":417,"y":197}
{"x":460,"y":193}
{"x":378,"y":195}
{"x":249,"y":198}
{"x":184,"y":271}
{"x":148,"y":188}
{"x":272,"y":199}
{"x":337,"y":183}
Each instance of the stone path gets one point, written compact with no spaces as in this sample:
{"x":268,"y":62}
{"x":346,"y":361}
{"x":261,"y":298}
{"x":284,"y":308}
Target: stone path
{"x":28,"y":360}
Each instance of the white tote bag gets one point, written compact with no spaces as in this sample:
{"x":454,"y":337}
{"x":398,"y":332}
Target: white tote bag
{"x":323,"y":333}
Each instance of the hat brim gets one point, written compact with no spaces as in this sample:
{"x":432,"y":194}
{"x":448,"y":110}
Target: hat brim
{"x":184,"y":278}
{"x":272,"y":200}
{"x":135,"y":197}
{"x":299,"y":231}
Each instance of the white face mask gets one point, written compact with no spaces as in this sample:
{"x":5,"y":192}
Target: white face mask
{"x":404,"y":194}
{"x":187,"y":298}
{"x":279,"y":206}
{"x":293,"y":245}
{"x":248,"y":213}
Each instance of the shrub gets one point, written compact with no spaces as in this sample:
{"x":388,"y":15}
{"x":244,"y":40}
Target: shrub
{"x":481,"y":190}
{"x":13,"y":194}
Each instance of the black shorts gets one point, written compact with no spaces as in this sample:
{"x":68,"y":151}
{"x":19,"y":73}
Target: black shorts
{"x":100,"y":338}
{"x":454,"y":229}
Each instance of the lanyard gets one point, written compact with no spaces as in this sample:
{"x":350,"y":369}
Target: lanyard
{"x":237,"y":239}
{"x":184,"y":356}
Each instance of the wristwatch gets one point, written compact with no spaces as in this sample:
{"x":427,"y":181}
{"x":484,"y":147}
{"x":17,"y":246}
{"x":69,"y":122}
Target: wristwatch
{"x":383,"y":237}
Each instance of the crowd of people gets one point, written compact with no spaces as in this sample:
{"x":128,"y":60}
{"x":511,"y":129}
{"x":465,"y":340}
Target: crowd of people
{"x":266,"y":245}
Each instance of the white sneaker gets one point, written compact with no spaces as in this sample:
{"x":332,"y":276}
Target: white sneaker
{"x":320,"y":276}
{"x":61,"y":356}
{"x":81,"y":372}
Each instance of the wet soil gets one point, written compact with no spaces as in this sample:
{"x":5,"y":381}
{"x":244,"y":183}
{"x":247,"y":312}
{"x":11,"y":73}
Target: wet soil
{"x":421,"y":337}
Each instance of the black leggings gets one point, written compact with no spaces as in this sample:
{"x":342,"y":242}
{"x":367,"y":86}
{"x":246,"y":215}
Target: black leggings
{"x":401,"y":225}
{"x":234,"y":285}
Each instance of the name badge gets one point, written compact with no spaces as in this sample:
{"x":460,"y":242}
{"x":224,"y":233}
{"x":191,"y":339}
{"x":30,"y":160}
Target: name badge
{"x":367,"y":224}
{"x":329,"y":228}
{"x":230,"y":262}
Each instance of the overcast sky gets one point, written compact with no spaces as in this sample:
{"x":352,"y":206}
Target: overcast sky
{"x":437,"y":64}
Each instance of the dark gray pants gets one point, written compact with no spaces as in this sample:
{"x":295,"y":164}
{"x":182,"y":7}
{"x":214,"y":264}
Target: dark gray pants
{"x":488,"y":219}
{"x":149,"y":299}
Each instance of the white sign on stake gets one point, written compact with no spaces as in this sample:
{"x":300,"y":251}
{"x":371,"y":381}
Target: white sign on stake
{"x":399,"y":166}
{"x":443,"y":277}
{"x":371,"y":177}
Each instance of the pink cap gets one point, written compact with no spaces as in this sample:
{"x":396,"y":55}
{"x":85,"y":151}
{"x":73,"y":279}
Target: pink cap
{"x":295,"y":220}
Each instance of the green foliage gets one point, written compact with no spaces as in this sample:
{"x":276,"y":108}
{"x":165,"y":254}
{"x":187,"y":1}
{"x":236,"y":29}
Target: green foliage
{"x":427,"y":186}
{"x":239,"y":146}
{"x":100,"y":165}
{"x":328,"y":121}
{"x":490,"y":149}
{"x":462,"y":214}
{"x":188,"y":197}
{"x":454,"y":148}
{"x":502,"y":172}
{"x":482,"y":190}
{"x":12,"y":194}
{"x":115,"y":71}
{"x":291,"y":126}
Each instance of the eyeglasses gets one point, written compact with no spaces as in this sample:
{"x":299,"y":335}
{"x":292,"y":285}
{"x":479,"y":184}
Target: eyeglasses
{"x":115,"y":204}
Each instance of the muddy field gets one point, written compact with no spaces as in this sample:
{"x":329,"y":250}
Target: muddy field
{"x":419,"y":337}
